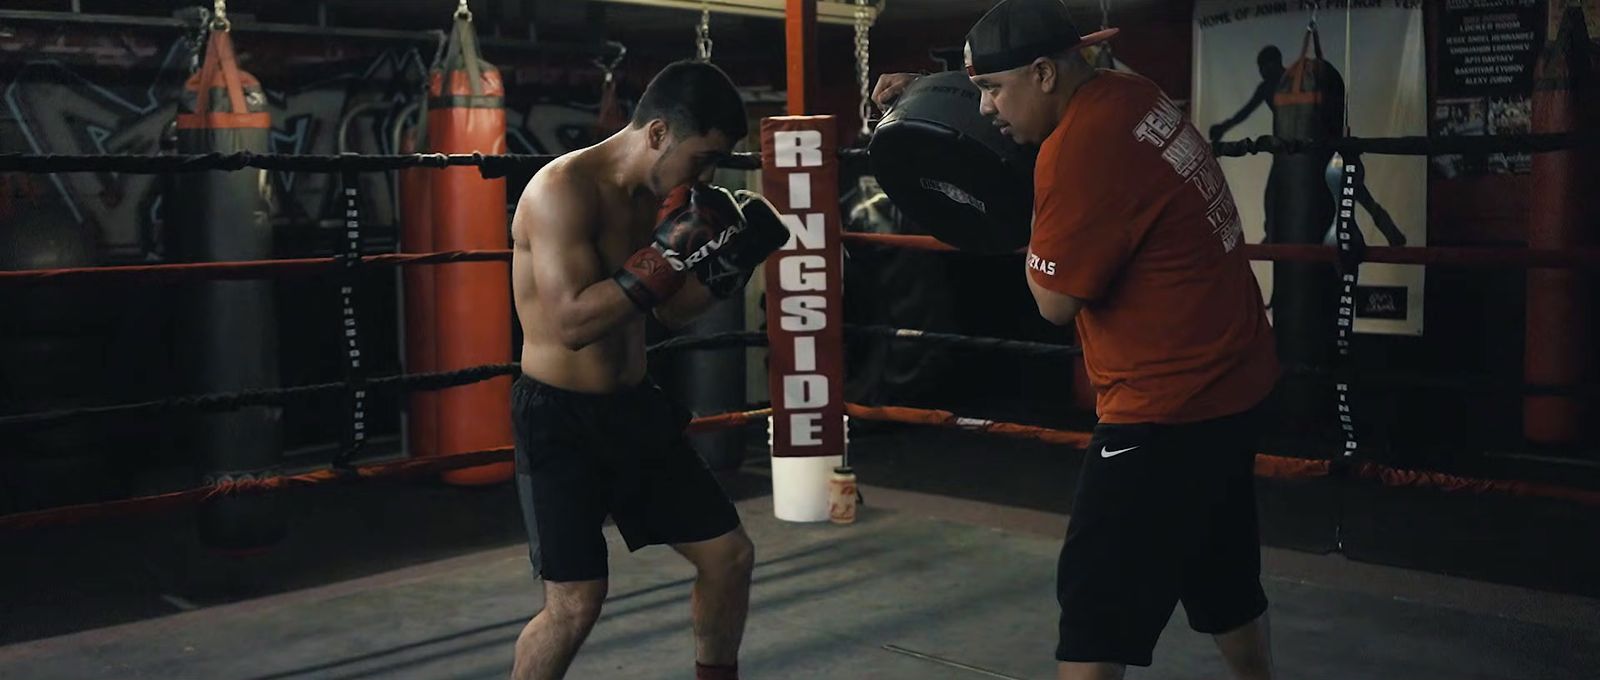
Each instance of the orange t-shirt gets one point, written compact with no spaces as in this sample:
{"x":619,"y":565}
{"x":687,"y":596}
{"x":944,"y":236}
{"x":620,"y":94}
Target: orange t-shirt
{"x":1133,"y":216}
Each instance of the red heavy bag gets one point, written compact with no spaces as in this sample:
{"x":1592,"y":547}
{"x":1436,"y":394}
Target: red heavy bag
{"x":421,"y":343}
{"x":1559,"y":347}
{"x":466,"y":114}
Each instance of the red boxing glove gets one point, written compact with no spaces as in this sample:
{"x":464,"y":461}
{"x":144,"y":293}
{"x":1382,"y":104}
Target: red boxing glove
{"x":694,"y":223}
{"x":648,"y":277}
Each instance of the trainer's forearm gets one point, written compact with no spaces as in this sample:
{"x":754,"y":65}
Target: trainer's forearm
{"x":594,"y":313}
{"x":1054,"y":307}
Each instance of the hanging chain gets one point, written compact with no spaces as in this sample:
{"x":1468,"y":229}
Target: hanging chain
{"x":1099,"y":56}
{"x":702,"y":42}
{"x":197,"y":42}
{"x":863,"y":62}
{"x":219,"y":16}
{"x":463,"y":11}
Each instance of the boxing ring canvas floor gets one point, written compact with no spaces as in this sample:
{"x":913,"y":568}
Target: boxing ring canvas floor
{"x":922,"y":587}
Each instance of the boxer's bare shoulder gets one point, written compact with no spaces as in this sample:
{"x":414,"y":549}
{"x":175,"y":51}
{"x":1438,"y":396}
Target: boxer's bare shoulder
{"x":562,"y":197}
{"x":571,"y":229}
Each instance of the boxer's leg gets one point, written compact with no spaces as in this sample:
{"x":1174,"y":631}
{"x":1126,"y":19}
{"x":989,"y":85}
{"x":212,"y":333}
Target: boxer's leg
{"x":1248,"y":649}
{"x":679,"y":503}
{"x":550,"y":641}
{"x":563,"y":492}
{"x":720,"y":600}
{"x":683,"y":506}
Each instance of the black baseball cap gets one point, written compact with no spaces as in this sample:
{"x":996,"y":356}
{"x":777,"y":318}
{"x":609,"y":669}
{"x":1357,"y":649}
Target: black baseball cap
{"x":1015,"y":32}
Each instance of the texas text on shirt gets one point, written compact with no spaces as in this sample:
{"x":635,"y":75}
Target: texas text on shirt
{"x":1133,"y":216}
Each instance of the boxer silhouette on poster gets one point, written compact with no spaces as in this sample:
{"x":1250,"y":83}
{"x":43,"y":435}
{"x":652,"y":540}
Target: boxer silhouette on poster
{"x":1307,"y":103}
{"x":1269,"y":64}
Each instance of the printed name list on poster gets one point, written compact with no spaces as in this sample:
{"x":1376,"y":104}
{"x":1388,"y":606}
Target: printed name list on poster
{"x":1488,"y":50}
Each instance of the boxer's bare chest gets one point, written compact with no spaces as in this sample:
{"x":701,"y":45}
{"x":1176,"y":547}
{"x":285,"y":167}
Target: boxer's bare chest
{"x":625,"y":225}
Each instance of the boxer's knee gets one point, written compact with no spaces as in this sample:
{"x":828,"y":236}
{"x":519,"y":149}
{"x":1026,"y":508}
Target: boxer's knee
{"x":574,"y":605}
{"x":729,"y":556}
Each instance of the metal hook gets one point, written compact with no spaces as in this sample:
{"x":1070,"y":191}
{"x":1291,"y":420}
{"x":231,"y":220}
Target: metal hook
{"x":610,"y":68}
{"x":622,"y":53}
{"x":219,"y":17}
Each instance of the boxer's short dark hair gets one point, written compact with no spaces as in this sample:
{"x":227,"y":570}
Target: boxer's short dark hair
{"x":693,"y":96}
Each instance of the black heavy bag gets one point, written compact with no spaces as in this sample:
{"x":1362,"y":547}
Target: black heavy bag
{"x":227,"y":330}
{"x":899,"y":287}
{"x":1309,"y":106}
{"x":714,"y":382}
{"x":950,"y":170}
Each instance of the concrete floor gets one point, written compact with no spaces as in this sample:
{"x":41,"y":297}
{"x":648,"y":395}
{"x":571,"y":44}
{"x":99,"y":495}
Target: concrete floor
{"x":923,"y":586}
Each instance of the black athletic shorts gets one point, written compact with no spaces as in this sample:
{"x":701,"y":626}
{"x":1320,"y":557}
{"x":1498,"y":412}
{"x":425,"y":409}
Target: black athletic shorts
{"x":582,"y":457}
{"x":1163,"y":514}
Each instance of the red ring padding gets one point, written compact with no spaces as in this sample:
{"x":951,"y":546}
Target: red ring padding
{"x":900,"y":414}
{"x":1566,"y":258}
{"x":1570,"y":258}
{"x":1277,"y":467}
{"x":71,"y":514}
{"x":251,"y":269}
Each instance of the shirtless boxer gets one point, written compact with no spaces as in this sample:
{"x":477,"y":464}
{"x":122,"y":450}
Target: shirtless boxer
{"x":604,"y":236}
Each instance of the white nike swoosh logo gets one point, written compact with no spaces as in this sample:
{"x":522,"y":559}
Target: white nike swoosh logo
{"x":1107,"y":453}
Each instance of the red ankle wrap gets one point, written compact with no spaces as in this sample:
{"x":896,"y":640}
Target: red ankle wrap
{"x":704,"y":672}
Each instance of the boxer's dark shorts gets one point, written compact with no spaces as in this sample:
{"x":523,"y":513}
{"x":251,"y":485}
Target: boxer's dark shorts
{"x":582,"y":457}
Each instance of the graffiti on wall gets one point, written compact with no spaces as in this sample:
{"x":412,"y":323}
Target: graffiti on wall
{"x":101,"y":92}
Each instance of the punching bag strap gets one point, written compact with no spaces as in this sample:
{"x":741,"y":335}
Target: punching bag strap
{"x":219,"y":53}
{"x":355,"y":371}
{"x":230,"y":72}
{"x":1311,"y":45}
{"x":464,"y":46}
{"x":220,"y":61}
{"x":461,"y":57}
{"x":208,"y":73}
{"x":420,"y":142}
{"x":1302,"y":86}
{"x":1310,"y":50}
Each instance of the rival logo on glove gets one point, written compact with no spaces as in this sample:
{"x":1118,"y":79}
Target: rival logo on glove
{"x":693,"y":226}
{"x":712,"y":245}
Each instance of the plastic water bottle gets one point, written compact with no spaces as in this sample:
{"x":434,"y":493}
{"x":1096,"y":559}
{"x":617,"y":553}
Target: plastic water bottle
{"x":842,"y":496}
